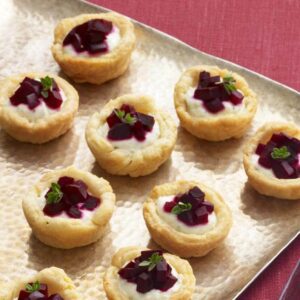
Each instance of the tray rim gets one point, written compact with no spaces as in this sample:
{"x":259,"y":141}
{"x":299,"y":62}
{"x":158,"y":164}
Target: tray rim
{"x":272,"y":81}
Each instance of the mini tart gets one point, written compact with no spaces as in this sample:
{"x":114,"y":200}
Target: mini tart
{"x":132,"y":162}
{"x":43,"y":129}
{"x":218,"y":127}
{"x":56,"y":279}
{"x":267,"y":185}
{"x":125,"y":255}
{"x":183,"y":244}
{"x":98,"y":69}
{"x":67,"y":233}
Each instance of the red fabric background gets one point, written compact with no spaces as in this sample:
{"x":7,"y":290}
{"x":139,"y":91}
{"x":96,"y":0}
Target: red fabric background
{"x":262,"y":35}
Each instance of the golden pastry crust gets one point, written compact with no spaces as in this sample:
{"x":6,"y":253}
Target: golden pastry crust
{"x":41,"y":130}
{"x":130,"y":162}
{"x":124,"y":255}
{"x":67,"y":233}
{"x":217,"y":128}
{"x":55,"y":278}
{"x":182,"y":244}
{"x":267,"y":185}
{"x":98,"y":69}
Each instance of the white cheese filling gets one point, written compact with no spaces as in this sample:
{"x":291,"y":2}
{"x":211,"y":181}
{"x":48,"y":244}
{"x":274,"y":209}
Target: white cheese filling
{"x":173,"y":221}
{"x":86,"y":214}
{"x":112,"y":40}
{"x":132,"y":294}
{"x":133,"y":143}
{"x":197,"y":109}
{"x":39,"y":112}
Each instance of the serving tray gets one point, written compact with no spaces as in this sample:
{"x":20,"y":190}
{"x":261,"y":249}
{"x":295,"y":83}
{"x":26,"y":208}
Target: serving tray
{"x":262,"y":225}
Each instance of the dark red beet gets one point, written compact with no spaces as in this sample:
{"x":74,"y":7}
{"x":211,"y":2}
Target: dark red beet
{"x":200,"y":209}
{"x":120,"y":132}
{"x":160,"y":277}
{"x":75,"y":199}
{"x":91,"y":203}
{"x":29,"y":93}
{"x":89,"y":36}
{"x":120,"y":129}
{"x":213,"y":92}
{"x":37,"y":296}
{"x":283,"y":168}
{"x":74,"y":212}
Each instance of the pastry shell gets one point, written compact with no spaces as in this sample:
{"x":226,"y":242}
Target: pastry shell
{"x":98,"y":69}
{"x":124,"y":255}
{"x":55,"y":278}
{"x":67,"y":233}
{"x":43,"y":129}
{"x":182,"y":244}
{"x":267,"y":185}
{"x":130,"y":162}
{"x":219,"y":127}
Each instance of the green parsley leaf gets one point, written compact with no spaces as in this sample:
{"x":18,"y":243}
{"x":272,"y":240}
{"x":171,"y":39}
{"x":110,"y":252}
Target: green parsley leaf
{"x":33,"y":287}
{"x":55,"y":195}
{"x":152,"y":261}
{"x":47,"y":83}
{"x":280,"y":153}
{"x":229,"y":82}
{"x":181,"y":207}
{"x":125,"y":117}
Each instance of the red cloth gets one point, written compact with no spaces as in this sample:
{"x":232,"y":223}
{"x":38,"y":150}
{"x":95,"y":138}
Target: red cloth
{"x":262,"y":35}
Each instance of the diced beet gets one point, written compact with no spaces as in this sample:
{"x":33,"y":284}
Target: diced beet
{"x":62,"y":181}
{"x":23,"y":295}
{"x":265,"y":161}
{"x":144,"y":283}
{"x":283,"y":170}
{"x":127,"y":108}
{"x":203,"y":94}
{"x":43,"y":289}
{"x":98,"y":48}
{"x":146,"y":120}
{"x":169,"y":206}
{"x":74,"y":212}
{"x":91,"y":203}
{"x":209,"y":206}
{"x":161,"y":271}
{"x":139,"y":131}
{"x":171,"y":280}
{"x":236,"y":97}
{"x":89,"y":36}
{"x":120,"y":132}
{"x":214,"y":106}
{"x":54,"y":100}
{"x":37,"y":296}
{"x":54,"y":209}
{"x":260,"y":148}
{"x":32,"y":100}
{"x":196,"y":193}
{"x":186,"y":217}
{"x":113,"y":119}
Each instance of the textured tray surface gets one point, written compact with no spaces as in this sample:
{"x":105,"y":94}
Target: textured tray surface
{"x":262,"y":226}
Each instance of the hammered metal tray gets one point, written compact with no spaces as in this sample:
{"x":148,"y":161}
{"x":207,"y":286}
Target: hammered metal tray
{"x":262,"y":226}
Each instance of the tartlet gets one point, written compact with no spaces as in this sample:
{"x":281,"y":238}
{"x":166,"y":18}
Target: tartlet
{"x":201,"y":224}
{"x":107,"y":58}
{"x":69,"y":208}
{"x":149,"y":136}
{"x":28,"y":115}
{"x":117,"y":288}
{"x":272,"y":160}
{"x":229,"y":105}
{"x":55,"y":279}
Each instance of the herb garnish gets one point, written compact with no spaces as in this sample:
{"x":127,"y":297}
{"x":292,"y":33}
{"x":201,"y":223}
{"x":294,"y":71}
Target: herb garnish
{"x":47,"y":83}
{"x":55,"y":195}
{"x":125,"y":117}
{"x":152,"y":261}
{"x":229,"y":82}
{"x":33,"y":287}
{"x":181,"y":207}
{"x":280,"y":153}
